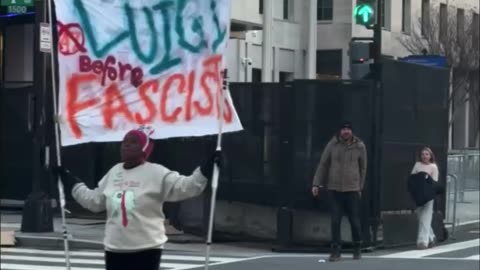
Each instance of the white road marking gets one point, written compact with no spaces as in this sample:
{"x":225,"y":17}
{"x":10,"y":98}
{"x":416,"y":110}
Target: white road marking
{"x":10,"y":225}
{"x":50,"y":259}
{"x":101,"y":254}
{"x":93,"y":259}
{"x":474,"y":257}
{"x":463,"y":223}
{"x":415,"y":254}
{"x":40,"y":267}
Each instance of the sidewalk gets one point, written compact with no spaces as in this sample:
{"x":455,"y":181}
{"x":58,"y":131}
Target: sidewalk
{"x":88,"y":234}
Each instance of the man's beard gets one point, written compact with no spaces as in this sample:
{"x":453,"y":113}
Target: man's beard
{"x":346,"y":137}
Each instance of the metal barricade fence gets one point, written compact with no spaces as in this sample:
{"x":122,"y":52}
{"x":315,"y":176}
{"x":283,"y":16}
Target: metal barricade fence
{"x":463,"y":187}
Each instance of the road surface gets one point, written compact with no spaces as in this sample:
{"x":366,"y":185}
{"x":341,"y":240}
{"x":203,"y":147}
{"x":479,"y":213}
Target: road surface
{"x":462,"y":255}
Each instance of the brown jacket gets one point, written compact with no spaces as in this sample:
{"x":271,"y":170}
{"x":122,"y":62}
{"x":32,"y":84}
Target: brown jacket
{"x":343,"y":166}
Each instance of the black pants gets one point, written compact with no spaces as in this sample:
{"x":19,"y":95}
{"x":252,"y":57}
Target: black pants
{"x":145,"y":260}
{"x":349,"y":203}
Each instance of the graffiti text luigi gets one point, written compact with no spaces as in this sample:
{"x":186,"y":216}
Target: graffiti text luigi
{"x":186,"y":32}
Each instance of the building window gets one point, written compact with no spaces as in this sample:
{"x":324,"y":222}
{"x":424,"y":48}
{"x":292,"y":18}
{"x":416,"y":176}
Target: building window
{"x":286,"y":76}
{"x":256,"y":75}
{"x":443,"y":22}
{"x":425,"y":16}
{"x":406,"y":16}
{"x":260,"y":6}
{"x":324,"y":10}
{"x":386,"y":16}
{"x":329,"y":64}
{"x":285,"y":9}
{"x":460,"y":23}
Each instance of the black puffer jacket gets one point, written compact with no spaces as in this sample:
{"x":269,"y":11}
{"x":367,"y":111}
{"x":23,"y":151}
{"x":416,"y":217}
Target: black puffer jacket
{"x":423,"y":188}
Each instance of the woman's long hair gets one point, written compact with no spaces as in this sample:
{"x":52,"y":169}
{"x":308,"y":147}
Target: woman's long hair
{"x":432,"y":155}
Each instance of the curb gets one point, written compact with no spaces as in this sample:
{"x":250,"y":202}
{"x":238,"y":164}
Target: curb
{"x":49,"y":242}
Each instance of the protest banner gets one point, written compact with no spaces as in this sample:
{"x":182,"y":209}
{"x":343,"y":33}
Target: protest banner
{"x":123,"y":64}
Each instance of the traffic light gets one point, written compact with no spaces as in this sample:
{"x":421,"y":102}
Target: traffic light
{"x":364,"y":12}
{"x":361,"y":58}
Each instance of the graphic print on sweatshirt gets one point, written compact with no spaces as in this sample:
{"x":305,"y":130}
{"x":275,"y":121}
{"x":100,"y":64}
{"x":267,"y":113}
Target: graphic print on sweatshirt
{"x":123,"y":205}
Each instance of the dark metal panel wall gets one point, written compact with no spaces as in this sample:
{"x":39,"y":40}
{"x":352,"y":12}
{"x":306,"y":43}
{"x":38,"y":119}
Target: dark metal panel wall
{"x":16,"y":143}
{"x":415,"y":115}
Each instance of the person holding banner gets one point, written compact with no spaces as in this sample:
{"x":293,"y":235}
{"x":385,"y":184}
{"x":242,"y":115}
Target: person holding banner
{"x":132,"y":193}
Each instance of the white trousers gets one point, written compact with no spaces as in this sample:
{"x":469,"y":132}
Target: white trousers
{"x":425,"y":231}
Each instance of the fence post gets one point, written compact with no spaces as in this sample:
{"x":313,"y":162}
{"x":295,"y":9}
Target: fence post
{"x":454,"y":206}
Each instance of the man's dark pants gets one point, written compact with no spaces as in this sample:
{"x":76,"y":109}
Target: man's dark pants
{"x":344,"y":203}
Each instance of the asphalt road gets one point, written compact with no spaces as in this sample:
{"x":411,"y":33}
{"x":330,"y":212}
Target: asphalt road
{"x":461,"y":255}
{"x":301,"y":263}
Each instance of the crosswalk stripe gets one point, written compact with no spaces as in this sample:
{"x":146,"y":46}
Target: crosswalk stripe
{"x":38,"y":259}
{"x":415,"y":254}
{"x":10,"y":225}
{"x":86,"y":261}
{"x":474,"y":257}
{"x":101,"y":255}
{"x":53,"y":252}
{"x":47,"y":259}
{"x":7,"y":266}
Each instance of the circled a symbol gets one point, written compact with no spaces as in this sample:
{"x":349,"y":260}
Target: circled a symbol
{"x":70,"y":38}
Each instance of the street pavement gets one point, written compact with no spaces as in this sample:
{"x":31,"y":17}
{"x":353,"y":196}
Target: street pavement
{"x":464,"y":255}
{"x":41,"y":259}
{"x":40,"y":252}
{"x":459,"y":256}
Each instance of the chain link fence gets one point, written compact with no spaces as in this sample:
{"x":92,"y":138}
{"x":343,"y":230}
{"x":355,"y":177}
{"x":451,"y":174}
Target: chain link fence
{"x":463,"y":188}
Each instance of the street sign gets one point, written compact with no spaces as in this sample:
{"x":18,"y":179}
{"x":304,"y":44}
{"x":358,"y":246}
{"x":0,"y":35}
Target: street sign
{"x":17,"y":6}
{"x":16,"y":3}
{"x":45,"y":38}
{"x":17,"y":9}
{"x":426,"y":60}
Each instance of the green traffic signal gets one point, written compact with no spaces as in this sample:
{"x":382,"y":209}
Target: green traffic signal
{"x":364,"y":14}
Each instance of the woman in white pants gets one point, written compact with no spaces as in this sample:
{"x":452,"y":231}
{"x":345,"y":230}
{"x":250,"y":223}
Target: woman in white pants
{"x":426,"y":236}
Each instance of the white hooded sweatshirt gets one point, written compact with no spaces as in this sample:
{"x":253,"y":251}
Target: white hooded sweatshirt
{"x":134,"y":201}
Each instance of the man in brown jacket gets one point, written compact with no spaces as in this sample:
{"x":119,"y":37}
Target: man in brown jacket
{"x":342,"y":171}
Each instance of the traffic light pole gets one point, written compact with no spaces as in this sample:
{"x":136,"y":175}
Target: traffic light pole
{"x":37,"y":211}
{"x":377,"y":40}
{"x":378,"y":120}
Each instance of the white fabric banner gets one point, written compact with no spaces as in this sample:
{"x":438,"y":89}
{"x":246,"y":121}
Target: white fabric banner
{"x":123,"y":64}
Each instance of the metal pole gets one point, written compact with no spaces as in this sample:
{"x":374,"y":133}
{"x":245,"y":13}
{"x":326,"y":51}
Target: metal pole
{"x":377,"y":76}
{"x":377,"y":36}
{"x":312,"y":40}
{"x":37,"y":215}
{"x":462,"y":178}
{"x":267,"y":49}
{"x":61,"y":193}
{"x":454,"y":223}
{"x":216,"y":171}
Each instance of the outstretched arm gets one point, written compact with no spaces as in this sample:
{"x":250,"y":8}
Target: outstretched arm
{"x":91,"y":199}
{"x":178,"y":187}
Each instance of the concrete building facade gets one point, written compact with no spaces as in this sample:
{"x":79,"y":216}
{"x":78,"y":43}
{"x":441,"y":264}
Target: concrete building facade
{"x":336,"y":27}
{"x":291,"y":41}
